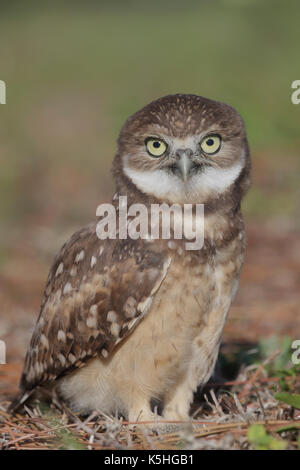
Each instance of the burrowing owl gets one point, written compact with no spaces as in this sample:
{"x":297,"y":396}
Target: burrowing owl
{"x":125,"y":321}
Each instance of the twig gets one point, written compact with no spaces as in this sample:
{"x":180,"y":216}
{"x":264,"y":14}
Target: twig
{"x":253,"y":378}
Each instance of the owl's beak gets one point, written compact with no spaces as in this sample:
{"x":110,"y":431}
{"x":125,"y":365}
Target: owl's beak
{"x":184,"y":163}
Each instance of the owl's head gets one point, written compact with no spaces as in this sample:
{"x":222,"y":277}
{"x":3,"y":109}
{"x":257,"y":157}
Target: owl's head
{"x":185,"y":149}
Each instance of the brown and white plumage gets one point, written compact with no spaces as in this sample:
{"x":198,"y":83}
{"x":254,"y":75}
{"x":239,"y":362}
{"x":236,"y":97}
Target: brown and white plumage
{"x":126,"y":321}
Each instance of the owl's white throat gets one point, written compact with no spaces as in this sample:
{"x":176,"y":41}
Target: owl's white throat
{"x":163,"y":185}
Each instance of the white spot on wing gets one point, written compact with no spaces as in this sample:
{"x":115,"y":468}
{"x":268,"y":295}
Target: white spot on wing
{"x":67,"y":288}
{"x":92,"y":322}
{"x":45,"y":341}
{"x":104,"y":353}
{"x":72,"y":358}
{"x":115,"y":329}
{"x":61,"y":336}
{"x":111,"y":316}
{"x":73,"y":271}
{"x":80,"y":256}
{"x":145,"y":305}
{"x":61,"y":359}
{"x":59,"y":269}
{"x":94,"y":309}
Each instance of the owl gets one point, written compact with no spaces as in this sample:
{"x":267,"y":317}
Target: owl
{"x":127,"y":322}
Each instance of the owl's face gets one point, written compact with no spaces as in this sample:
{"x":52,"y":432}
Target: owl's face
{"x":184,"y":148}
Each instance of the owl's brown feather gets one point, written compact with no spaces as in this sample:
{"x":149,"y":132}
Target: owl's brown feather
{"x":96,"y":293}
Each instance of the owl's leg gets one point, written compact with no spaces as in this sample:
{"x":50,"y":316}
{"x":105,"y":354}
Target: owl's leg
{"x":179,"y":398}
{"x":177,"y":402}
{"x":141,"y":417}
{"x":141,"y":412}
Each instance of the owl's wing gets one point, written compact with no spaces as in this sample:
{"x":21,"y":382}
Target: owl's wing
{"x":97,"y":292}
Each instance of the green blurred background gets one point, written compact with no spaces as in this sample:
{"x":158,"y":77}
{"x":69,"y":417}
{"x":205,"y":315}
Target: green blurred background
{"x":76,"y":70}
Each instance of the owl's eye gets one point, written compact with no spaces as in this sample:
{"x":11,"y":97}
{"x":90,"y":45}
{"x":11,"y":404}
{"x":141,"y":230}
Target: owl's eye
{"x":156,"y":147}
{"x":211,"y":144}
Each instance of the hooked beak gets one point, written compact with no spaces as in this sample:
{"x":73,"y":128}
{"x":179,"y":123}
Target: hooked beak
{"x":184,"y":163}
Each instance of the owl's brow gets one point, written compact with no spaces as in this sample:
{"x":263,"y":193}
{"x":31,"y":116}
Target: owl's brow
{"x":141,"y":138}
{"x":231,"y":135}
{"x":153,"y":136}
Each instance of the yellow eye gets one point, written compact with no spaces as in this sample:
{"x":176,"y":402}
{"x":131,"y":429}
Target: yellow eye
{"x":156,"y":147}
{"x":211,"y":144}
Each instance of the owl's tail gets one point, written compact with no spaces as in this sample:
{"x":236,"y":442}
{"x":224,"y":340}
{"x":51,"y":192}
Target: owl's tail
{"x":20,"y":400}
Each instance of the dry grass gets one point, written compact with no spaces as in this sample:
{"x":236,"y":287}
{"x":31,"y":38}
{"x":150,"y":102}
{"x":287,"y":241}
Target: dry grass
{"x":221,"y":421}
